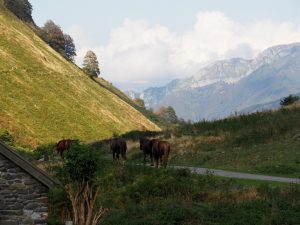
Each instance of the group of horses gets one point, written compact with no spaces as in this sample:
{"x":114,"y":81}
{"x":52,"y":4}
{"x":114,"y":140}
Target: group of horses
{"x":158,"y":150}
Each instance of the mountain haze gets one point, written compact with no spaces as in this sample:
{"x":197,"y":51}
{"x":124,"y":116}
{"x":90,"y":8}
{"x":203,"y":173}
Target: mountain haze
{"x":44,"y":98}
{"x":230,"y":86}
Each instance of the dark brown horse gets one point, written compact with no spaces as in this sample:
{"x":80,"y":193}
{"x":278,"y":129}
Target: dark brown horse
{"x":118,"y":146}
{"x":146,"y":147}
{"x":160,"y":152}
{"x":63,"y":145}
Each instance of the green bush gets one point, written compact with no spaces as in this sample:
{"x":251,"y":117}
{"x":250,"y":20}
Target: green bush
{"x":21,"y":8}
{"x":7,"y":138}
{"x":289,"y":100}
{"x":81,"y":163}
{"x":58,"y":199}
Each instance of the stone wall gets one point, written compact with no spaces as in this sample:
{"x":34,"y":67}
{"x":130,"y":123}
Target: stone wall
{"x":23,"y":199}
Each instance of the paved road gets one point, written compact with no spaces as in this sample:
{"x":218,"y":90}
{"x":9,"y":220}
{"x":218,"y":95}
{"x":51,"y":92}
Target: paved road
{"x":230,"y":174}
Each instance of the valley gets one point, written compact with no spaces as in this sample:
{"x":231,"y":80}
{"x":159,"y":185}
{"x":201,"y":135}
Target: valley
{"x":234,"y":149}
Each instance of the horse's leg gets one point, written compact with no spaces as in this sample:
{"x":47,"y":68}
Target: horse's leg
{"x":160,"y":160}
{"x":165,"y":161}
{"x":124,"y":154}
{"x":145,"y":156}
{"x":156,"y":161}
{"x":151,"y":158}
{"x":118,"y":155}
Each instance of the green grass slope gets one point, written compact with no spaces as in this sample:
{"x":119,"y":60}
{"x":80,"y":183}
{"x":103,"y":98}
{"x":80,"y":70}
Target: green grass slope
{"x":44,"y":98}
{"x":264,"y":142}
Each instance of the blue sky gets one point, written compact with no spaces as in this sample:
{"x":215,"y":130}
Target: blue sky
{"x":143,"y":43}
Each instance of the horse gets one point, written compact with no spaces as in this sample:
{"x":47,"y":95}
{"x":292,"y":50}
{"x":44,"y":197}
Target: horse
{"x":161,"y":151}
{"x":117,"y":146}
{"x":146,"y":147}
{"x":63,"y":145}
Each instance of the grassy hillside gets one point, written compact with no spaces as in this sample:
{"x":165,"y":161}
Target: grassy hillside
{"x":264,"y":143}
{"x":44,"y":98}
{"x":258,"y":143}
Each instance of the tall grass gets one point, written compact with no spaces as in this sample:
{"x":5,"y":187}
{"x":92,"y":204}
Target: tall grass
{"x":142,"y":195}
{"x":256,"y":128}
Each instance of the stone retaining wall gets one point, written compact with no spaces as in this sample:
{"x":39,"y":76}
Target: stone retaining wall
{"x":23,"y":199}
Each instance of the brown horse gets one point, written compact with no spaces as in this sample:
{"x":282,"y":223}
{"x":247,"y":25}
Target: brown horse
{"x":146,"y":147}
{"x":161,"y":151}
{"x":63,"y":145}
{"x":118,"y":146}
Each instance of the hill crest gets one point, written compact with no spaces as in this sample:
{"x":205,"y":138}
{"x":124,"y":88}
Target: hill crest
{"x":44,"y":98}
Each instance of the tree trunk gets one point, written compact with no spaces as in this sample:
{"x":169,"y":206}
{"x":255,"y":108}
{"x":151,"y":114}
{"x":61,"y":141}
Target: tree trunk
{"x":83,"y":204}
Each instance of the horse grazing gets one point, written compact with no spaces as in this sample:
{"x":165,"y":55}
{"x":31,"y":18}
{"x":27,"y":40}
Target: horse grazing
{"x":146,"y":147}
{"x":118,"y":146}
{"x":63,"y":145}
{"x":161,"y":151}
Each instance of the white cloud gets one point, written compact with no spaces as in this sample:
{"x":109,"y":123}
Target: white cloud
{"x":139,"y":53}
{"x":79,"y":35}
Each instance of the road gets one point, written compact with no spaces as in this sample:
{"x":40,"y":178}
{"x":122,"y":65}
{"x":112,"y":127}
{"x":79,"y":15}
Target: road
{"x":223,"y":173}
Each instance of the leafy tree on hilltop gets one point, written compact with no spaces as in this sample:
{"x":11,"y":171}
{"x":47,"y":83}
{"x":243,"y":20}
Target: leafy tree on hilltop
{"x":139,"y":102}
{"x":91,"y":64}
{"x":54,"y":36}
{"x":21,"y":8}
{"x":289,"y":100}
{"x":168,"y":113}
{"x":70,"y":49}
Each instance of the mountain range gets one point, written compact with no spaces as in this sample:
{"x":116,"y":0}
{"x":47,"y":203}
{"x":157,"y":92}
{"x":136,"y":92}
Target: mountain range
{"x":231,"y":86}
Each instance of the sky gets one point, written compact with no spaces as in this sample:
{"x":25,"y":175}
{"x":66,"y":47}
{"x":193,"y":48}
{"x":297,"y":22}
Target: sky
{"x":143,"y":43}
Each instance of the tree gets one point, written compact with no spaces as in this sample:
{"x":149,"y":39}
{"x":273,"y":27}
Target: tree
{"x":168,"y":113}
{"x":21,"y":8}
{"x":91,"y":64}
{"x":139,"y":102}
{"x":289,"y":100}
{"x":79,"y":175}
{"x":70,"y":49}
{"x":54,"y":36}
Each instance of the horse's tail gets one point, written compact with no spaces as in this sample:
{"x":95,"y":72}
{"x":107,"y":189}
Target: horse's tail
{"x":125,"y":146}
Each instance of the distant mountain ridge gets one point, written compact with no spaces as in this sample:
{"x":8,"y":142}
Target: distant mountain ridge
{"x":234,"y":85}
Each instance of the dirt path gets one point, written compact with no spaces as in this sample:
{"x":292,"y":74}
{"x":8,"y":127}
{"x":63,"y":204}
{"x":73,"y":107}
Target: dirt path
{"x":223,"y":173}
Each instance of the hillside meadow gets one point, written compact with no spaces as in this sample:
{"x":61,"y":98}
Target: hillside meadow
{"x":262,"y":143}
{"x":45,"y":98}
{"x":137,"y":194}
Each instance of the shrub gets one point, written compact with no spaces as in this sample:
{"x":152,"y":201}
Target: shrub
{"x":21,"y":8}
{"x":7,"y":138}
{"x":289,"y":100}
